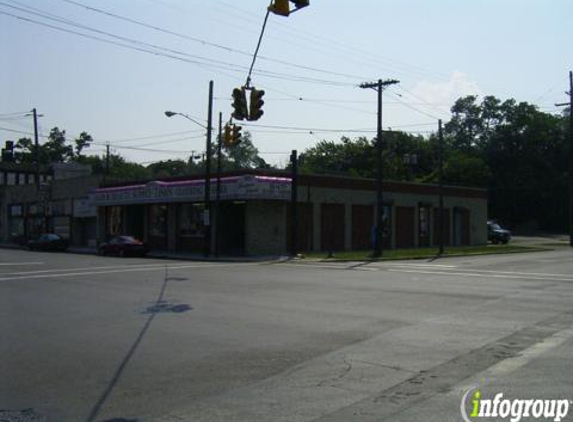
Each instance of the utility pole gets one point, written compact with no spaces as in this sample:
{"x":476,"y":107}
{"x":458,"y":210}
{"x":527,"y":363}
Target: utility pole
{"x":206,"y":216}
{"x":441,"y":183}
{"x":218,"y":197}
{"x":379,"y":86}
{"x":107,"y":159}
{"x":570,"y":105}
{"x":294,"y":205}
{"x":37,"y":148}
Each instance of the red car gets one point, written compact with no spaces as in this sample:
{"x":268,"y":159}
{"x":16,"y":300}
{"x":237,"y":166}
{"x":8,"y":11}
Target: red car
{"x":123,"y":246}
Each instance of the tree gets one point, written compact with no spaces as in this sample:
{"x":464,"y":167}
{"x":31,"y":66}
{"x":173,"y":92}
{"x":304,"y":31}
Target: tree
{"x":56,"y":149}
{"x":83,"y":141}
{"x":243,"y":156}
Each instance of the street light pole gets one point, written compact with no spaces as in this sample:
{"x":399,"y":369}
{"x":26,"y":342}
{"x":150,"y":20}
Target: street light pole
{"x":207,"y":188}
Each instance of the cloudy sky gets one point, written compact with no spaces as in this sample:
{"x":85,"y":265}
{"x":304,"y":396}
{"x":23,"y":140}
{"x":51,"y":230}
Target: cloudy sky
{"x":112,"y":68}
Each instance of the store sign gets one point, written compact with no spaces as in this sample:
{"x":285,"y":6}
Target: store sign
{"x":232,"y":188}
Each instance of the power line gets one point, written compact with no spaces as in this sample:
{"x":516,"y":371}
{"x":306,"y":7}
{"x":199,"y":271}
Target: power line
{"x":203,"y":41}
{"x":329,"y":43}
{"x":158,"y":50}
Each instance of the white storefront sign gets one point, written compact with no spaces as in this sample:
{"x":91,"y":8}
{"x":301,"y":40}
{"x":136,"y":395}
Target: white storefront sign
{"x":232,"y":188}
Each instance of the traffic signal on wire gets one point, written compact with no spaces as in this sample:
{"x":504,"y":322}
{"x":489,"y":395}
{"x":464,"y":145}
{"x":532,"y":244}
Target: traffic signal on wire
{"x":240,"y":104}
{"x":282,"y":7}
{"x":257,"y":102}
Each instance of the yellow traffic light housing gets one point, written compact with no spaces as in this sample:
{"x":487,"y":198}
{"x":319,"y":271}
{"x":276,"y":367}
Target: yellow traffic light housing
{"x":256,"y":105}
{"x":240,"y":104}
{"x":228,"y":139}
{"x":282,"y":7}
{"x":236,"y":135}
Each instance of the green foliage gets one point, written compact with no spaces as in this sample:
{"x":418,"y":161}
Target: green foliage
{"x":513,"y":149}
{"x":243,"y":156}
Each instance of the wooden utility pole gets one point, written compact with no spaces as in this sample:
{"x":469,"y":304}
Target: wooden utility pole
{"x":570,"y":105}
{"x":379,"y":86}
{"x":441,"y":184}
{"x":294,"y":203}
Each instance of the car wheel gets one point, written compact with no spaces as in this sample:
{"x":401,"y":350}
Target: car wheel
{"x":101,"y":251}
{"x":121,"y":253}
{"x":505,"y":241}
{"x":495,"y":241}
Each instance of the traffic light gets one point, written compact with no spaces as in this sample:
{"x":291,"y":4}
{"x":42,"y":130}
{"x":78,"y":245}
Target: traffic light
{"x":228,"y":136}
{"x":8,"y":152}
{"x":240,"y":104}
{"x":256,"y":104}
{"x":282,"y":7}
{"x":236,"y":135}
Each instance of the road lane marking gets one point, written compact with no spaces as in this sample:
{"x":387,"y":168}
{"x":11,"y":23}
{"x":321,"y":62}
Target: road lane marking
{"x":84,"y":268}
{"x":422,"y":265}
{"x":125,"y":270}
{"x":20,"y":263}
{"x":482,"y":275}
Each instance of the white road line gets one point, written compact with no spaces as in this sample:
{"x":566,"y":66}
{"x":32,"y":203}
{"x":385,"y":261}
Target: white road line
{"x":490,"y":275}
{"x":125,"y":270}
{"x":20,"y":263}
{"x":422,"y":265}
{"x":94,"y":267}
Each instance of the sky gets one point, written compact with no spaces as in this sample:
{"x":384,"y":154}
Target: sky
{"x":114,"y":67}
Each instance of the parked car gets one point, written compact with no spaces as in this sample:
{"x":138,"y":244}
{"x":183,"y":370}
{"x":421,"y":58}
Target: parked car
{"x":123,"y":246}
{"x":48,"y":242}
{"x":497,"y":234}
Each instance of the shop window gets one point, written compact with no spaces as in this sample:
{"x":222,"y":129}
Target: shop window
{"x":158,"y":226}
{"x":191,"y":220}
{"x":115,"y":221}
{"x":10,"y":178}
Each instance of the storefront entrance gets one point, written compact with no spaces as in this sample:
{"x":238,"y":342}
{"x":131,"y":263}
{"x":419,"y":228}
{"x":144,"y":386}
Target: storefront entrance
{"x":232,"y":228}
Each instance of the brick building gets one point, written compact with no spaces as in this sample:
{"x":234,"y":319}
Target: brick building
{"x":335,"y":214}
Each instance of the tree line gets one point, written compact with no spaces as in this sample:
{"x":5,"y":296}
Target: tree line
{"x":57,"y":148}
{"x":514,"y":150}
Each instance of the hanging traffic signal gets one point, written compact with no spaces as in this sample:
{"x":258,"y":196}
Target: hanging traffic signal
{"x":228,"y":139}
{"x":240,"y":104}
{"x":236,"y":135}
{"x":299,"y":4}
{"x":256,"y":104}
{"x":282,"y":7}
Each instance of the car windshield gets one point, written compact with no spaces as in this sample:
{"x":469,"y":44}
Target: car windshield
{"x":126,"y":239}
{"x":495,"y":226}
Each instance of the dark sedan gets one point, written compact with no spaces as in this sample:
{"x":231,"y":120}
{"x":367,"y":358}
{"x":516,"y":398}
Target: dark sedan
{"x":123,"y":246}
{"x":48,"y":242}
{"x":497,"y":234}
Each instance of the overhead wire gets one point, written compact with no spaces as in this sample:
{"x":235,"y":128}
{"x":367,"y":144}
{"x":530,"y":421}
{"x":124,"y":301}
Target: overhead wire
{"x":201,"y":61}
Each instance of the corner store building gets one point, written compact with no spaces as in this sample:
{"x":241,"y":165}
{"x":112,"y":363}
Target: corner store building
{"x":335,"y":213}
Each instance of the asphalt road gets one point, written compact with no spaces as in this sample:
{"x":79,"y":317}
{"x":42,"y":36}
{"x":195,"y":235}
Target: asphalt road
{"x":88,"y":338}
